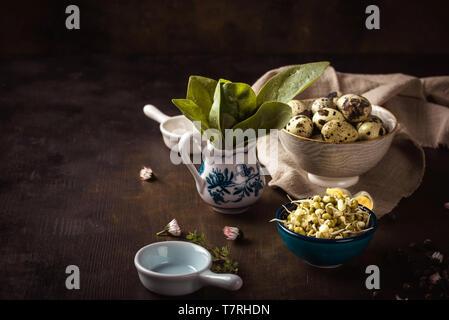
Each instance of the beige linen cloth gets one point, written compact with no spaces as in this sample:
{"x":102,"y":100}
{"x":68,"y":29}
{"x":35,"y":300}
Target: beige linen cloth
{"x":422,"y":108}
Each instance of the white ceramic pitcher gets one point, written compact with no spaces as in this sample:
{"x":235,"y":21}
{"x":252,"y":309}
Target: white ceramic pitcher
{"x":229,"y":181}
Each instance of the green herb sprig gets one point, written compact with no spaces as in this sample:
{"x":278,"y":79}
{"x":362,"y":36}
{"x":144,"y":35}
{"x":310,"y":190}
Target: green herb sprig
{"x":222,"y":263}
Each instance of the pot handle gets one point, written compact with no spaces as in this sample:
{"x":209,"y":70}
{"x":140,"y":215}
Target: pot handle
{"x":184,"y":150}
{"x":226,"y":281}
{"x":154,"y":113}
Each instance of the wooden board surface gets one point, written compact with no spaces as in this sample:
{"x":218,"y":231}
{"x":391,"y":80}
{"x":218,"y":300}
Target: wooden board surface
{"x":73,"y":139}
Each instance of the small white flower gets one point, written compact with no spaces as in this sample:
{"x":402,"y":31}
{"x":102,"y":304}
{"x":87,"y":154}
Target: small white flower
{"x":232,"y":233}
{"x":146,"y":173}
{"x":171,"y":228}
{"x":438,"y":256}
{"x":397,"y":297}
{"x":434,"y":278}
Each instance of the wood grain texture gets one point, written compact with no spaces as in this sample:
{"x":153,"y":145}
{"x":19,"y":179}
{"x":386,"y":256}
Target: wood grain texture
{"x":73,"y":140}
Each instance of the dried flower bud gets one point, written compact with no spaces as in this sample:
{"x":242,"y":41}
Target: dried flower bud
{"x":232,"y":233}
{"x":146,"y":174}
{"x":438,"y":256}
{"x":171,"y":228}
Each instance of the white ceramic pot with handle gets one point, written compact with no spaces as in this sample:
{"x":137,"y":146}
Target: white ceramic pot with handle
{"x":177,"y":268}
{"x":172,"y":128}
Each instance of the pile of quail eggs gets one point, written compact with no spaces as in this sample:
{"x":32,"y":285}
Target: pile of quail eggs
{"x":336,"y":118}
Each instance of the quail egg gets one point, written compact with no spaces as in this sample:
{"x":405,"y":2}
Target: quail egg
{"x":339,"y":131}
{"x":365,"y":199}
{"x":375,"y":119}
{"x":371,"y":118}
{"x":334,"y":96}
{"x":369,"y":130}
{"x":299,"y":108}
{"x":324,"y":115}
{"x":353,"y":107}
{"x":323,"y":103}
{"x":300,"y":125}
{"x":336,"y":191}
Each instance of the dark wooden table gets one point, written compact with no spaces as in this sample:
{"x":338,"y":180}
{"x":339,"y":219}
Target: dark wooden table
{"x":73,"y":139}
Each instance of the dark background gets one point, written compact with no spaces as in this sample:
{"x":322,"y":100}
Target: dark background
{"x":73,"y":136}
{"x":224,"y":27}
{"x":412,"y":39}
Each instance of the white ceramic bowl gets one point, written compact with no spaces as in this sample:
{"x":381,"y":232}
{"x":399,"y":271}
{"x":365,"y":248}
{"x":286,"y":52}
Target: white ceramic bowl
{"x":340,"y":165}
{"x":176,"y":268}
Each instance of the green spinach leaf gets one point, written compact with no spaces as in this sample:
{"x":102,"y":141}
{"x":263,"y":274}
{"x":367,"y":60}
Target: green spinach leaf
{"x":239,"y":101}
{"x":192,"y":111}
{"x":214,"y":114}
{"x":270,"y":115}
{"x":201,"y":91}
{"x":290,"y":82}
{"x":233,"y":102}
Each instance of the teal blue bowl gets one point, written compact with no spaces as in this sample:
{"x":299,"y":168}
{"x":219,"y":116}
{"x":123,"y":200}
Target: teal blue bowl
{"x":324,"y":253}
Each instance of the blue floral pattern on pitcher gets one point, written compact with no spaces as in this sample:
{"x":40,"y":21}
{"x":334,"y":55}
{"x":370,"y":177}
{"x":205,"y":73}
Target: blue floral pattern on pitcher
{"x":222,"y":183}
{"x":229,"y":183}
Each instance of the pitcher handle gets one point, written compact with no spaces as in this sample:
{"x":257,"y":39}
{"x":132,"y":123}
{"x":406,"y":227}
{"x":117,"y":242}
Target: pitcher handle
{"x":184,"y":149}
{"x":226,"y":281}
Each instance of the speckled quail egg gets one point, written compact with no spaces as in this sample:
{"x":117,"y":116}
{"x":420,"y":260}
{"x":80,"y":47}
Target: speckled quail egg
{"x":300,"y":108}
{"x":369,"y":130}
{"x":334,"y":96}
{"x":371,"y":118}
{"x":323,"y":103}
{"x":300,"y":125}
{"x":338,"y":131}
{"x":374,"y":118}
{"x":324,"y":115}
{"x":353,"y":107}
